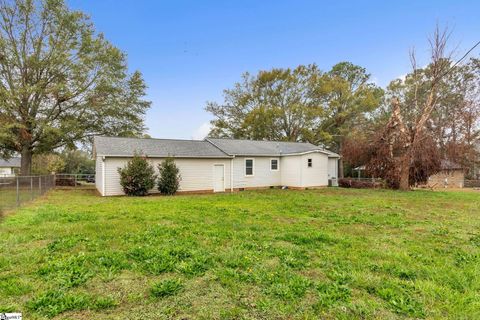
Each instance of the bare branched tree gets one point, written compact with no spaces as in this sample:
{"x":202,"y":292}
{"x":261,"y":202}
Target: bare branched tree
{"x":402,"y":144}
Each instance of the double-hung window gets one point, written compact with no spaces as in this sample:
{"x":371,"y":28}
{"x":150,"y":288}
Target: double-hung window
{"x":309,"y":163}
{"x":249,"y":167}
{"x":274,"y":164}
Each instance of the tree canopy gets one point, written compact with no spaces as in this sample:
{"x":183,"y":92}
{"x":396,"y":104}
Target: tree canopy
{"x":60,"y":81}
{"x":301,"y":104}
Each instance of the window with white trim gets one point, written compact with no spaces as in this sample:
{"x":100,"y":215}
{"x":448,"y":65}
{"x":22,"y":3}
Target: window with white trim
{"x":274,"y":164}
{"x":249,"y":167}
{"x":309,"y":163}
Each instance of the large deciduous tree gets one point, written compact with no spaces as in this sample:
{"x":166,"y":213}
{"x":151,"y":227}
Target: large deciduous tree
{"x":433,"y":115}
{"x":454,"y":123}
{"x":60,"y":81}
{"x":279,"y":104}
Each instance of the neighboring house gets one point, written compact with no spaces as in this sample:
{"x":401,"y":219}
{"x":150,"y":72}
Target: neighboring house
{"x":218,"y":165}
{"x":8,"y":168}
{"x":451,"y":176}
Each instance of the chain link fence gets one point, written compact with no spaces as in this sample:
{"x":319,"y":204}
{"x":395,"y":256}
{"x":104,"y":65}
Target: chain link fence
{"x":14,"y":191}
{"x":85,"y":181}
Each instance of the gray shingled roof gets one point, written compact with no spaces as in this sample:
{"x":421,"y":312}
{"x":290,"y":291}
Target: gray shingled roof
{"x":208,"y":148}
{"x":113,"y":146}
{"x":266,"y":148}
{"x":12,"y":162}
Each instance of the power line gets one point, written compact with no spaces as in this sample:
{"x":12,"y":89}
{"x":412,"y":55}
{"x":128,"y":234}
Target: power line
{"x":460,"y":60}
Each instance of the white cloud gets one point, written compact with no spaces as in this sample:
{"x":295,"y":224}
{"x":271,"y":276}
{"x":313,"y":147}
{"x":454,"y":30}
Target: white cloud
{"x":201,"y":132}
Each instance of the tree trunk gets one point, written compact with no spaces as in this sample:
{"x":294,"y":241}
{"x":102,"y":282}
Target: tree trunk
{"x":404,"y":183}
{"x":26,"y":162}
{"x":340,"y":168}
{"x":340,"y":161}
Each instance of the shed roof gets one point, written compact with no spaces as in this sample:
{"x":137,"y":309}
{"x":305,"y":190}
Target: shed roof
{"x":115,"y":146}
{"x":266,"y":148}
{"x":10,"y":163}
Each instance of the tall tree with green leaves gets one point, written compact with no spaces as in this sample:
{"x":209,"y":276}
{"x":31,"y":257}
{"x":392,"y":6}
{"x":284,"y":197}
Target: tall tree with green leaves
{"x":60,"y":81}
{"x":347,"y":94}
{"x":279,"y":104}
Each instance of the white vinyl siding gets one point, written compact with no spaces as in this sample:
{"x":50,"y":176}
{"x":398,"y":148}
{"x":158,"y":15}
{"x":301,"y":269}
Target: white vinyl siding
{"x":291,"y":171}
{"x":263,"y":176}
{"x":196,"y":174}
{"x":332,"y":168}
{"x":6,"y":171}
{"x":317,"y":174}
{"x":99,"y":175}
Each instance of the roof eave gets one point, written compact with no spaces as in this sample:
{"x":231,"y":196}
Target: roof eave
{"x":163,"y":156}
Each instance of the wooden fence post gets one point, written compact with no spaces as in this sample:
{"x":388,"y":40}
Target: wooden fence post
{"x":31,"y":187}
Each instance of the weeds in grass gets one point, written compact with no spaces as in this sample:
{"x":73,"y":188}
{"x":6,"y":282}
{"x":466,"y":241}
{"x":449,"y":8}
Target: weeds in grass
{"x":331,"y":293}
{"x":194,"y":266}
{"x":283,"y":283}
{"x":12,"y":286}
{"x":68,"y":273}
{"x":475,"y":240}
{"x":295,"y":259}
{"x":64,"y":243}
{"x":167,"y":287}
{"x":309,"y":239}
{"x":401,"y":297}
{"x":52,"y":303}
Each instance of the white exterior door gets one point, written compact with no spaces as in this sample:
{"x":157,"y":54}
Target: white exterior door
{"x":218,"y":178}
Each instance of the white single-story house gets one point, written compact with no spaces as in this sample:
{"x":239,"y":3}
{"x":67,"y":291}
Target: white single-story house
{"x":219,"y":165}
{"x":9,"y":167}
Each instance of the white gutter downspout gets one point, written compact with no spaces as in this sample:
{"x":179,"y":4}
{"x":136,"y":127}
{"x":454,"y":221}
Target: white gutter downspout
{"x":231,"y":175}
{"x":103,"y":176}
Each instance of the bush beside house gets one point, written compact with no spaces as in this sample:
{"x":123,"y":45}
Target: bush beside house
{"x":169,"y":179}
{"x":137,"y":177}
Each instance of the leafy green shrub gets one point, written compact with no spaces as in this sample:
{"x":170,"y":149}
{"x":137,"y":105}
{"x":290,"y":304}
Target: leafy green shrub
{"x":165,"y":288}
{"x":169,"y":179}
{"x":137,"y":177}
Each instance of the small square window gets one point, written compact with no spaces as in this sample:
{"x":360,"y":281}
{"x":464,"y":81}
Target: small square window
{"x":274,"y":164}
{"x":309,"y":163}
{"x":249,"y":167}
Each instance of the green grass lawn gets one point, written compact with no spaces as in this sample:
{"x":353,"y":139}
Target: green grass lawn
{"x":275,"y":254}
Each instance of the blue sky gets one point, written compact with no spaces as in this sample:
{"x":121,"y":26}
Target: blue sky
{"x":189,"y":51}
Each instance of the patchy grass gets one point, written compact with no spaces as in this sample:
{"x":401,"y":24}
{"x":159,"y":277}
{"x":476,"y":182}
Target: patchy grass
{"x":330,"y":253}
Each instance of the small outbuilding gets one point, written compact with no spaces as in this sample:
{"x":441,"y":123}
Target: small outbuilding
{"x":452,"y":175}
{"x":219,"y":165}
{"x":8,"y":168}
